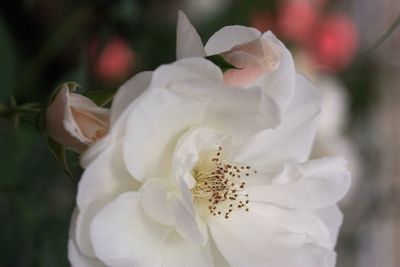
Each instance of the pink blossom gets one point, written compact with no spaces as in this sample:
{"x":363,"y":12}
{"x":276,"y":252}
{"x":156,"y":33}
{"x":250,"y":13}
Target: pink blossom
{"x":335,"y":42}
{"x":115,"y":61}
{"x":296,"y":20}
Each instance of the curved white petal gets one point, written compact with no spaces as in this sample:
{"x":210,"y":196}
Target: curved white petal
{"x":320,"y":183}
{"x":188,"y":224}
{"x":156,"y":200}
{"x":128,"y":92}
{"x":153,"y":128}
{"x":231,"y":108}
{"x":188,"y":149}
{"x":179,"y":252}
{"x":333,"y":219}
{"x":103,"y":180}
{"x":280,"y":82}
{"x":75,"y":257}
{"x":188,"y":41}
{"x":256,"y":238}
{"x":124,"y":236}
{"x":230,"y":36}
{"x":292,"y":140}
{"x":188,"y":69}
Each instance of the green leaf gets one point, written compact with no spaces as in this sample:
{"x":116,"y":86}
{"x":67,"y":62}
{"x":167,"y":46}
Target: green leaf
{"x":8,"y":62}
{"x":221,"y":62}
{"x":59,"y":153}
{"x":101,"y":97}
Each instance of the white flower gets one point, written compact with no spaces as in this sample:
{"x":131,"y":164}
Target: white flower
{"x":198,"y":173}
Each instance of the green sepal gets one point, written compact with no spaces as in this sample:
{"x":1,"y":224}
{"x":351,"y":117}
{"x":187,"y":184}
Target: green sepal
{"x":221,"y":62}
{"x":101,"y":97}
{"x":59,"y":153}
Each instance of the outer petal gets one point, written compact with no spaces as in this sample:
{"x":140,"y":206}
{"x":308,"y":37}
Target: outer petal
{"x":178,"y":252}
{"x":128,"y":92}
{"x":231,"y":108}
{"x":75,"y":257}
{"x":256,"y":239}
{"x":280,"y":82}
{"x":292,"y":140}
{"x":154,"y":126}
{"x":333,"y":218}
{"x":321,"y":183}
{"x":188,"y":41}
{"x":102,"y":181}
{"x":123,"y":236}
{"x":189,"y":69}
{"x":156,"y":200}
{"x":230,"y":36}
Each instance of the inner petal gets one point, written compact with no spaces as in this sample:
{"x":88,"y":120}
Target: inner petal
{"x":220,"y":184}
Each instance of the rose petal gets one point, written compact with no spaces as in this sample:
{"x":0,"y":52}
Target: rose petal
{"x":230,"y":109}
{"x":156,"y":201}
{"x":178,"y":252}
{"x":187,"y":224}
{"x":103,"y":180}
{"x":279,"y":83}
{"x":257,"y":239}
{"x":75,"y":257}
{"x":292,"y":140}
{"x":128,"y":92}
{"x":333,"y":219}
{"x":190,"y":69}
{"x":153,"y":127}
{"x":188,"y":41}
{"x":322,"y":182}
{"x":123,"y":236}
{"x":228,"y":37}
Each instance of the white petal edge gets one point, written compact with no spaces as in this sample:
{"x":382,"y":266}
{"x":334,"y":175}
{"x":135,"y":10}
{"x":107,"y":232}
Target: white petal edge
{"x":187,"y":69}
{"x":104,"y":179}
{"x":250,"y":240}
{"x":321,"y":183}
{"x":124,"y":236}
{"x":156,"y":200}
{"x":179,"y":252}
{"x":279,"y":83}
{"x":188,"y":41}
{"x":75,"y":257}
{"x":128,"y":92}
{"x":292,"y":140}
{"x":230,"y":36}
{"x":154,"y":126}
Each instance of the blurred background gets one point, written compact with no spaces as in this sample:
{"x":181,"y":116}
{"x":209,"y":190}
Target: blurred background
{"x":100,"y":44}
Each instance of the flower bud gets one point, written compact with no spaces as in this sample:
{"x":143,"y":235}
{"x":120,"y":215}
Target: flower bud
{"x":75,"y":121}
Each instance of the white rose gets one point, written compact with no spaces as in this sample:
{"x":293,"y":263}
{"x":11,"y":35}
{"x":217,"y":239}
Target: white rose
{"x":195,"y":172}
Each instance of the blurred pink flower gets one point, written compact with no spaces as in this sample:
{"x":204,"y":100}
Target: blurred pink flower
{"x":335,"y":42}
{"x":262,"y":20}
{"x":75,"y":121}
{"x":297,"y":20}
{"x":115,"y":61}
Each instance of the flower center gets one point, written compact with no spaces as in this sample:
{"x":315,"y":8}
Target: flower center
{"x":220,"y":183}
